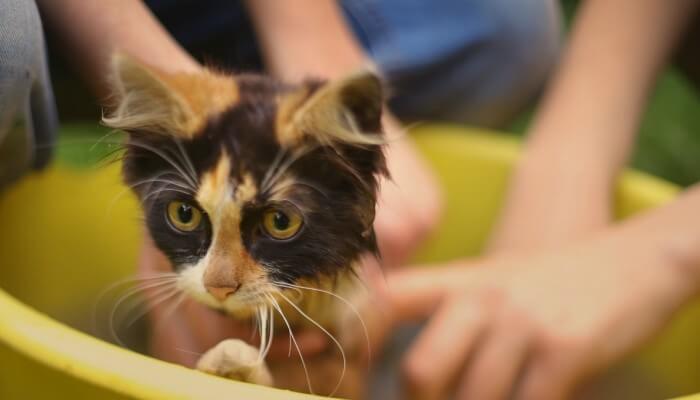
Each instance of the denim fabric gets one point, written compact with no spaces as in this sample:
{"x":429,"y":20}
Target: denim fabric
{"x":213,"y":31}
{"x":28,"y":119}
{"x":471,"y":61}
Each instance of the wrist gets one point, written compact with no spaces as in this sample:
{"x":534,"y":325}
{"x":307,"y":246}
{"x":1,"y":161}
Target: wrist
{"x":305,"y":38}
{"x":552,"y":199}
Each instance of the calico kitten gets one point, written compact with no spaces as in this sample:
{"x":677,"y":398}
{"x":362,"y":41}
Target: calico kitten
{"x":252,"y":187}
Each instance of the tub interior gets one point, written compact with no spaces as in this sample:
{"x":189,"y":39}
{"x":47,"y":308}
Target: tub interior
{"x":71,"y":231}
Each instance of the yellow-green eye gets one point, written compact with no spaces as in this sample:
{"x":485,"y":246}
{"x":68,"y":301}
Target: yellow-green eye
{"x":281,"y":224}
{"x":183,"y":216}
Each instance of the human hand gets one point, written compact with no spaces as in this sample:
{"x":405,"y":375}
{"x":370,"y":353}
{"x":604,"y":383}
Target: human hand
{"x":409,"y":203}
{"x":534,"y":328}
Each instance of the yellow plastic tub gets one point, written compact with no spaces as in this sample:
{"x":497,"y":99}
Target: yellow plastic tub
{"x":67,"y":233}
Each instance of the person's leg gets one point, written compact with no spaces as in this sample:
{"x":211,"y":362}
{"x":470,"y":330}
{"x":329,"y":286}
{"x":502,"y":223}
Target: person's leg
{"x":472,"y":61}
{"x":28,"y":118}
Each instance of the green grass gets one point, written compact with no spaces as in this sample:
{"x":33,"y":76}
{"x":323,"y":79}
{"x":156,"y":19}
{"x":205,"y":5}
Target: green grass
{"x":669,"y":139}
{"x":87,"y":144}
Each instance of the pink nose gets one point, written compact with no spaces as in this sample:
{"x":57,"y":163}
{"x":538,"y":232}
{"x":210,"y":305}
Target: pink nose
{"x":221,"y":293}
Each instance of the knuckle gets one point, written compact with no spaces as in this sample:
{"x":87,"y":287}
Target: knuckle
{"x":415,"y":374}
{"x":515,"y":315}
{"x":557,"y":342}
{"x":540,"y":392}
{"x":415,"y":227}
{"x":396,"y":234}
{"x":428,"y":218}
{"x":545,"y":382}
{"x":492,"y":297}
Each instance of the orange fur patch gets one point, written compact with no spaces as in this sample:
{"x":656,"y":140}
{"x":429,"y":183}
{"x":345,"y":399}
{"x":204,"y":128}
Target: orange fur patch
{"x":177,"y":104}
{"x":230,"y":264}
{"x":206,"y":93}
{"x":325,"y":115}
{"x":287,"y":107}
{"x":215,"y":190}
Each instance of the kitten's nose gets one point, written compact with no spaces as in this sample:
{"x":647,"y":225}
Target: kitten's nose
{"x":222,"y":292}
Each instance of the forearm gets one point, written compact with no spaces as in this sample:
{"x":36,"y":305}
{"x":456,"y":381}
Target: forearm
{"x":587,"y":122}
{"x":302,"y":38}
{"x":91,"y":30}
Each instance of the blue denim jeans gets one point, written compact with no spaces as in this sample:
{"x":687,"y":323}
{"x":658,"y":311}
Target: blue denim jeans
{"x":471,"y":61}
{"x":28,"y":120}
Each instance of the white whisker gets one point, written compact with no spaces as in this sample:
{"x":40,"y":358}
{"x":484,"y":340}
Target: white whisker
{"x":139,"y":281}
{"x":186,"y":158}
{"x":273,"y":166}
{"x":189,"y":351}
{"x":281,"y":169}
{"x":162,"y":296}
{"x":319,"y":326}
{"x":159,"y":191}
{"x":276,"y":305}
{"x":167,"y":159}
{"x":128,"y":295}
{"x":344,"y":300}
{"x":298,"y":182}
{"x":172,"y":307}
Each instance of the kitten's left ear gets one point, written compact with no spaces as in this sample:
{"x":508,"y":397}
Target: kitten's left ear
{"x":149,"y":100}
{"x":346,"y":111}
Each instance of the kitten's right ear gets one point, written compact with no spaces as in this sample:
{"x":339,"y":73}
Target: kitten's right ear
{"x":346,"y":111}
{"x":147,"y":99}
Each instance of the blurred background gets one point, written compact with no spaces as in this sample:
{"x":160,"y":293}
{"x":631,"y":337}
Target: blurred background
{"x":668,"y":143}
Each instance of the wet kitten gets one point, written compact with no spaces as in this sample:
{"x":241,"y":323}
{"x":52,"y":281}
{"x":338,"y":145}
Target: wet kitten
{"x":252,"y":187}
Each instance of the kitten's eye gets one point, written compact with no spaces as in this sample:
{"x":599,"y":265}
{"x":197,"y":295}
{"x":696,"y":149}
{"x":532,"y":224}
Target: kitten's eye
{"x":183,"y":216}
{"x":281,"y":224}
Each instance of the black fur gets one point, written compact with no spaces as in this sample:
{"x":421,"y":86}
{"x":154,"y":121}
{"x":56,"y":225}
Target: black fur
{"x":338,"y":227}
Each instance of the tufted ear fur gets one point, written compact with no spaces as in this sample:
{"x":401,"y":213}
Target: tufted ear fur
{"x":174,"y":104}
{"x":346,"y":111}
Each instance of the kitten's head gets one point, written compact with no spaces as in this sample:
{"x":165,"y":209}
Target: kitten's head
{"x":247,"y":183}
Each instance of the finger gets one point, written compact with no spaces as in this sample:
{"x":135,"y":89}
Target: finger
{"x":539,"y":383}
{"x":413,"y":294}
{"x":394,"y":236}
{"x":554,"y":377}
{"x":496,"y":365}
{"x":439,"y":353}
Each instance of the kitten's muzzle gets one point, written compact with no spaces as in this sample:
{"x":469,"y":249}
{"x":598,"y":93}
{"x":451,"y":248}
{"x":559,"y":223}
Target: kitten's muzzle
{"x":221,"y":293}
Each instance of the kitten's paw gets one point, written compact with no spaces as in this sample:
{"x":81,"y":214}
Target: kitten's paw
{"x":235,"y":359}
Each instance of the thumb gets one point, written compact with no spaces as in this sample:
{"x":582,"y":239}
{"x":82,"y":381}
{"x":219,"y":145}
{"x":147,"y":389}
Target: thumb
{"x":414,"y":293}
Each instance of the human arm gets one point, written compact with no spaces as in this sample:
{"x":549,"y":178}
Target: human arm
{"x":586,"y":124}
{"x":90,"y":31}
{"x":554,"y":231}
{"x":537,"y":327}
